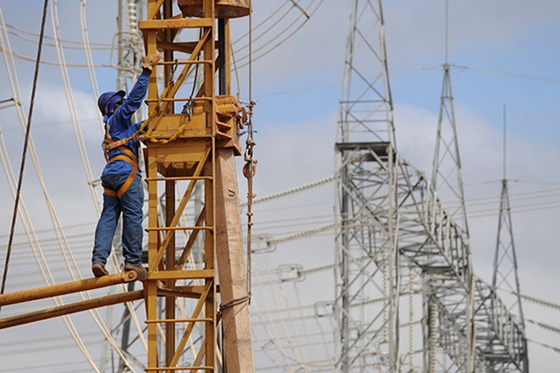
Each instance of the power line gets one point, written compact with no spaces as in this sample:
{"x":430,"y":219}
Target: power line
{"x":25,"y":146}
{"x":555,"y":349}
{"x":508,"y":74}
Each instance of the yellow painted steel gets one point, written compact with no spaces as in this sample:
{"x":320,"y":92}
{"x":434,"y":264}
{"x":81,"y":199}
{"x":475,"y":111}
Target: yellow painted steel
{"x":68,"y":309}
{"x":67,"y":288}
{"x":64,"y":289}
{"x":183,"y":146}
{"x":224,"y":8}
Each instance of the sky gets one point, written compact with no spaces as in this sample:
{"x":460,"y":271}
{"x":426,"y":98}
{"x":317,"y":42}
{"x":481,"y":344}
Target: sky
{"x":504,"y":57}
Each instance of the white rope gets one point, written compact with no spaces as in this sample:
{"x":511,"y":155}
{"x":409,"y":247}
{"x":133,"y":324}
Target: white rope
{"x":63,"y":243}
{"x":34,"y":36}
{"x":275,"y":318}
{"x":304,"y":324}
{"x":30,"y":59}
{"x":85,"y":161}
{"x":34,"y":243}
{"x":92,"y":76}
{"x":74,"y":117}
{"x":11,"y":71}
{"x":67,"y":254}
{"x":306,"y":14}
{"x":245,"y":36}
{"x":270,"y":325}
{"x":278,"y":318}
{"x":296,"y":333}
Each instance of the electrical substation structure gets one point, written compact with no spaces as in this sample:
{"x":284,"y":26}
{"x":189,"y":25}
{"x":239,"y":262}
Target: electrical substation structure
{"x":396,"y":239}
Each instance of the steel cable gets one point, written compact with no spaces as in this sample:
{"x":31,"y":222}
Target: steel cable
{"x":25,"y":146}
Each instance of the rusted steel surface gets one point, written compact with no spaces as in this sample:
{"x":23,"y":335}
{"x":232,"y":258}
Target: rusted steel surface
{"x":224,"y":8}
{"x":67,"y":309}
{"x":67,"y":288}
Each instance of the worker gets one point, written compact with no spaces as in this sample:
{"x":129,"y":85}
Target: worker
{"x":121,"y":178}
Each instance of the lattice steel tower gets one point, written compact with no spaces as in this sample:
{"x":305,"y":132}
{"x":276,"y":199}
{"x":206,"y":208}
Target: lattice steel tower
{"x":366,"y":244}
{"x":395,"y":239}
{"x":505,"y":278}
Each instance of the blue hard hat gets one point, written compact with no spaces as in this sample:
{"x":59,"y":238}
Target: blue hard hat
{"x":105,"y":99}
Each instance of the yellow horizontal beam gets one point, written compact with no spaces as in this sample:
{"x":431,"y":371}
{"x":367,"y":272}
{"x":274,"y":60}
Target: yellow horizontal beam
{"x":67,"y":288}
{"x":190,"y":291}
{"x":180,"y":275}
{"x":178,"y":23}
{"x":187,"y":228}
{"x":162,"y":321}
{"x":178,"y":178}
{"x":67,"y":309}
{"x":205,"y":368}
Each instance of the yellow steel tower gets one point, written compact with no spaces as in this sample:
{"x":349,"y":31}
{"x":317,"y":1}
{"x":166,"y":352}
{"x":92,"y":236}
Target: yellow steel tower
{"x":192,"y":139}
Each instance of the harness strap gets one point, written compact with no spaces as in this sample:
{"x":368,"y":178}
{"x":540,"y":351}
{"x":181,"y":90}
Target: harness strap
{"x":112,"y":144}
{"x":115,"y":144}
{"x":130,"y":158}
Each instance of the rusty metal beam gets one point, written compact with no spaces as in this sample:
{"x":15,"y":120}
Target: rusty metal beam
{"x":67,"y":288}
{"x":174,"y":23}
{"x":67,"y":309}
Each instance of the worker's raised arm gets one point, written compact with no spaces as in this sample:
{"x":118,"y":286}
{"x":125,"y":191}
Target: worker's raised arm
{"x":139,"y":90}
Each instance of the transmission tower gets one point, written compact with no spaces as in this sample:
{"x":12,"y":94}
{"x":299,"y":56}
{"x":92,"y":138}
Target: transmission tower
{"x":447,"y":182}
{"x":366,"y":242}
{"x":396,"y":238}
{"x":447,"y":176}
{"x":487,"y":343}
{"x":505,"y":278}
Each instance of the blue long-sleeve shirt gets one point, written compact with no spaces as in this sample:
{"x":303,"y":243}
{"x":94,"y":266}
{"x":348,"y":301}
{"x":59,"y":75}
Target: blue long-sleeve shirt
{"x":120,"y":126}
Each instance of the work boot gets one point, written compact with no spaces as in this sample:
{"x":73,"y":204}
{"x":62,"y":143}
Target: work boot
{"x":99,"y":270}
{"x":138,"y":268}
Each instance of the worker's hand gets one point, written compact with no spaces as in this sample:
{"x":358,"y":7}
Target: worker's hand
{"x":151,"y":60}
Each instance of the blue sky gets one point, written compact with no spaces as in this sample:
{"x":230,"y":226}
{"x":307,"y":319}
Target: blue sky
{"x":504,"y":52}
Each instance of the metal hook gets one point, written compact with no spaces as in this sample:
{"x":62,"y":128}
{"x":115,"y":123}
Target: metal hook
{"x":173,"y":69}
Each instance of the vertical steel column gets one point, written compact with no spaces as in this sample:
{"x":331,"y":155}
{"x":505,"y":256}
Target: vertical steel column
{"x":368,"y":284}
{"x":210,"y":309}
{"x":150,"y":287}
{"x":196,"y":146}
{"x":170,"y":162}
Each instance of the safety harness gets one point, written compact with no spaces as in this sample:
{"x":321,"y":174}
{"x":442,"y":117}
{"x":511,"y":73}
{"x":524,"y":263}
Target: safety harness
{"x":127,"y":155}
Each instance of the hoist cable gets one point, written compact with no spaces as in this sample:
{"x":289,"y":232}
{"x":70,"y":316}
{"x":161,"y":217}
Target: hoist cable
{"x":25,"y":145}
{"x":249,"y":157}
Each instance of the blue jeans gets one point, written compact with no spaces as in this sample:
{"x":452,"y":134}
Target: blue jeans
{"x":131,"y":206}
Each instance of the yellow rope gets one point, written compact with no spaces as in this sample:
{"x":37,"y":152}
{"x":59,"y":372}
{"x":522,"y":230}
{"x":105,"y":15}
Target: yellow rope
{"x":172,"y":138}
{"x":151,"y":115}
